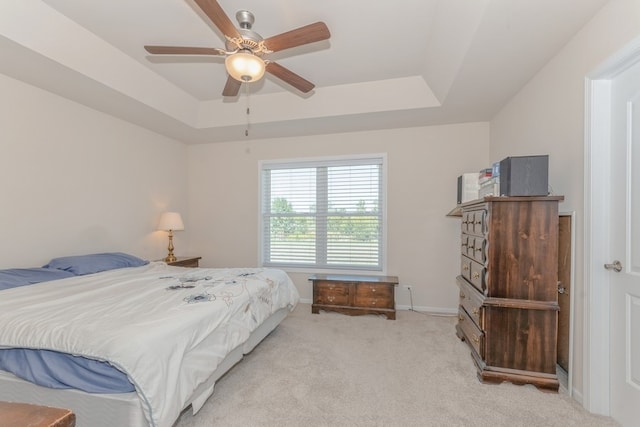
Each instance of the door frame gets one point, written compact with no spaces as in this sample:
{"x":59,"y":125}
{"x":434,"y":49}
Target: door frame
{"x":597,"y":180}
{"x":572,"y":297}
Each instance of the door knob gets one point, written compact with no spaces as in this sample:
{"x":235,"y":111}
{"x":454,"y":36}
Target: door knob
{"x":615,"y":266}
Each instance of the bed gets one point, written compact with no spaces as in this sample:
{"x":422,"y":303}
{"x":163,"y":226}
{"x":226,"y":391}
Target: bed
{"x":170,"y":332}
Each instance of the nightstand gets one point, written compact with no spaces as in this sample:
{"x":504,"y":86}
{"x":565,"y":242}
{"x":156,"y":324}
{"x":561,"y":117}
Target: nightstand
{"x":190,"y":262}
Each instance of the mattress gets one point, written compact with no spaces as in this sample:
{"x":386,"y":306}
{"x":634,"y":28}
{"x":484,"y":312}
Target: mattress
{"x":185,"y":335}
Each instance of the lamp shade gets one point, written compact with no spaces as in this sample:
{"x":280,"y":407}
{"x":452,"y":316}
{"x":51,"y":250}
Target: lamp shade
{"x":170,"y":221}
{"x":244,"y":66}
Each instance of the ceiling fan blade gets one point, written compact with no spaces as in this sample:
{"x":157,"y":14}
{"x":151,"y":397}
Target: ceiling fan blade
{"x":183,"y":50}
{"x":214,"y":11}
{"x":232,"y":87}
{"x":289,"y":76}
{"x":303,"y":35}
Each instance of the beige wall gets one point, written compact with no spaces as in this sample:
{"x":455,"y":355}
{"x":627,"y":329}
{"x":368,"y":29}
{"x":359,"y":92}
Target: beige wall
{"x":422,"y":163}
{"x":77,"y":181}
{"x":547,"y":117}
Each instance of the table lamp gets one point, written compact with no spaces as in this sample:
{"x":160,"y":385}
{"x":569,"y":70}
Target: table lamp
{"x":170,"y":221}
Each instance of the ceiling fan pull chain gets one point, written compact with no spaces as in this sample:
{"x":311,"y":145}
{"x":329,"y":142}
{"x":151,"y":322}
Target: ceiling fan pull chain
{"x":246,"y":90}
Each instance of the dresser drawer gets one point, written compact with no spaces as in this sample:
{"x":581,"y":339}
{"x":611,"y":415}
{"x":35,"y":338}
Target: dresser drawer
{"x":373,"y":295}
{"x":467,"y":222}
{"x":479,"y":223}
{"x":479,"y":249}
{"x":477,"y":275}
{"x":331,"y":293}
{"x":472,"y":334}
{"x":471,"y":300}
{"x":465,"y":267}
{"x":464,"y":243}
{"x":471,"y":244}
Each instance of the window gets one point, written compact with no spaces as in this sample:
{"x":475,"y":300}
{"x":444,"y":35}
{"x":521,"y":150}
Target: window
{"x":323,"y":214}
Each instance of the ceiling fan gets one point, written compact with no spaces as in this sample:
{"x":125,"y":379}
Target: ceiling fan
{"x":244,"y":48}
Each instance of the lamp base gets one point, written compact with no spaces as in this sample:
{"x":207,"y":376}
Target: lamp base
{"x":170,"y":256}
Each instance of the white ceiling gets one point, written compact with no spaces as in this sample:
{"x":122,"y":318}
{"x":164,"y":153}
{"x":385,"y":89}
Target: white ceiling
{"x":387,"y":64}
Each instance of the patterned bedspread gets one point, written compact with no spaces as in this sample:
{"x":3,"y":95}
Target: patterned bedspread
{"x":166,"y":327}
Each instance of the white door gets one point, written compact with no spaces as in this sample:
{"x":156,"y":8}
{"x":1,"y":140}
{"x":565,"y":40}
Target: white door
{"x":624,"y":251}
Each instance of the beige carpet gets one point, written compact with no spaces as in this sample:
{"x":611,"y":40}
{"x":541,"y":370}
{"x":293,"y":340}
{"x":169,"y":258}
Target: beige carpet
{"x":329,"y":369}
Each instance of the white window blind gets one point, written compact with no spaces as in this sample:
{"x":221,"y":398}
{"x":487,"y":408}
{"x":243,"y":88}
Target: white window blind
{"x":323,"y":214}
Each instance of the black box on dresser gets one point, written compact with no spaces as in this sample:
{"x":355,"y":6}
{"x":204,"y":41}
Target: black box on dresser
{"x":524,"y":176}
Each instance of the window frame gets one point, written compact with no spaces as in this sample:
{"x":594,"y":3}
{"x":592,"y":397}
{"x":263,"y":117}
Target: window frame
{"x":325,"y":161}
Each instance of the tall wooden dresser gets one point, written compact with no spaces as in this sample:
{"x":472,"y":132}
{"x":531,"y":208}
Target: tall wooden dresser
{"x":508,"y":312}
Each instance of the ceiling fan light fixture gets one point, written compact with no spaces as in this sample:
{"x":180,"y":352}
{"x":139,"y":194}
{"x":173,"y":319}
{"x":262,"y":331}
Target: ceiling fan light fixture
{"x":245,"y":66}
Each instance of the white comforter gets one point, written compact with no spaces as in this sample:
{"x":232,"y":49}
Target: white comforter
{"x":166,"y":344}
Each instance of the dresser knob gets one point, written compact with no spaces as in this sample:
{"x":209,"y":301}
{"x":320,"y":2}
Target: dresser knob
{"x":476,"y":275}
{"x":460,"y":318}
{"x":462,"y":295}
{"x":476,"y":311}
{"x":475,"y":339}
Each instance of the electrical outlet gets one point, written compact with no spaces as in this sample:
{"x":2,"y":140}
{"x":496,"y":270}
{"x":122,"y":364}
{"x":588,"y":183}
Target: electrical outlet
{"x":407,"y":287}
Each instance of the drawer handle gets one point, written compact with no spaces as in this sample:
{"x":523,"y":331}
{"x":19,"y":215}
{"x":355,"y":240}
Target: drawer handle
{"x":476,"y":311}
{"x":475,"y":339}
{"x":476,"y":275}
{"x":465,"y":268}
{"x":462,"y":295}
{"x":460,"y":318}
{"x":478,"y":249}
{"x":478,"y":222}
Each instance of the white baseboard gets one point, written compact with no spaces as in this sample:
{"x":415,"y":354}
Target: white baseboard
{"x":430,"y":310}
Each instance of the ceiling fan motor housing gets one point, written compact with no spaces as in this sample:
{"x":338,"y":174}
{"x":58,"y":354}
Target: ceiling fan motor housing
{"x":250,"y":39}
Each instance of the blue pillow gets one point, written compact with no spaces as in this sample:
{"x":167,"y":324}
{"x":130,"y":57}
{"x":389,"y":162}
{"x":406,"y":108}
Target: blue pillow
{"x":14,"y":277}
{"x":94,"y":263}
